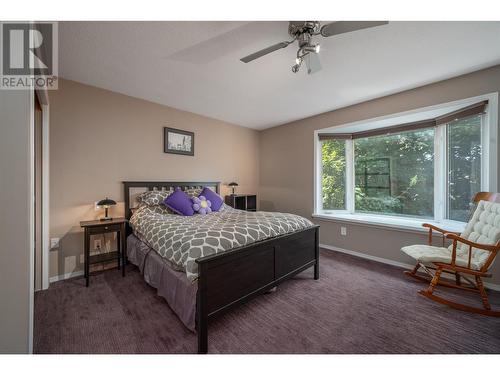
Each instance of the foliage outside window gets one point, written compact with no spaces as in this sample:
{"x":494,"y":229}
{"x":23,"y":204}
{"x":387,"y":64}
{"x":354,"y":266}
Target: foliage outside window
{"x":394,"y":174}
{"x":464,"y":166}
{"x":333,"y":174}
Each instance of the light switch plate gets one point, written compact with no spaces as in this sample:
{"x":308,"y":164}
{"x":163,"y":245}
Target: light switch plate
{"x":343,"y":231}
{"x":54,"y":243}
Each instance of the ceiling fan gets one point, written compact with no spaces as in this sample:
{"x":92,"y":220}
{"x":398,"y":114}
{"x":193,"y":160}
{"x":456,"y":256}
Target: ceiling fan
{"x":303,"y":32}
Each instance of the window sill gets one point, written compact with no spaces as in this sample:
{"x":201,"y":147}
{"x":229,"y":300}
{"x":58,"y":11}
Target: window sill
{"x":395,"y":223}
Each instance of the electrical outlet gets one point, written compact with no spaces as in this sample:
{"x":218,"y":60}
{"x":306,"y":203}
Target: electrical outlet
{"x":54,"y":243}
{"x":97,"y":244}
{"x":343,"y":231}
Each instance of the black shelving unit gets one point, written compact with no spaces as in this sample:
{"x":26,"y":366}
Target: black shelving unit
{"x":245,"y":202}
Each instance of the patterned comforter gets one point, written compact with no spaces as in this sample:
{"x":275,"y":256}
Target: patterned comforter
{"x":183,"y":239}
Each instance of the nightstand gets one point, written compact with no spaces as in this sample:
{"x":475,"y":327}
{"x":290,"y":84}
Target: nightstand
{"x":246,"y":202}
{"x":100,"y":227}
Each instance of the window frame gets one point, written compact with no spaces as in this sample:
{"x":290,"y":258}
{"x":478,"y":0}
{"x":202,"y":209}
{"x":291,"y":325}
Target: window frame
{"x":489,"y":168}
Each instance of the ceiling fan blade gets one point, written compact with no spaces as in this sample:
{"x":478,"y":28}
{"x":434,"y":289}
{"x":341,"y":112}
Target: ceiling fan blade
{"x":312,"y":63}
{"x":342,"y":27}
{"x":264,"y":51}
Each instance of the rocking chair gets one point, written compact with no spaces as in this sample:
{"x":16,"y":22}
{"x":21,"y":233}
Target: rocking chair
{"x":470,"y":255}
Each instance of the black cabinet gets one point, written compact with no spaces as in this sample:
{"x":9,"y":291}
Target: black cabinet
{"x":246,"y":202}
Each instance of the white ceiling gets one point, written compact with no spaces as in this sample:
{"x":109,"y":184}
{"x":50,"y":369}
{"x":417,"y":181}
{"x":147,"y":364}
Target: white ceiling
{"x":194,"y":66}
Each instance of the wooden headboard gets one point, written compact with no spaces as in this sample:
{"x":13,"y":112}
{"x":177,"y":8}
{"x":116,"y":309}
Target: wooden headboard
{"x":133,"y":188}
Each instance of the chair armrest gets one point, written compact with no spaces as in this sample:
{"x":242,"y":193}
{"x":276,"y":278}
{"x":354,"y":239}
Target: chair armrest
{"x":437,"y":229}
{"x":481,"y":246}
{"x":433,"y":227}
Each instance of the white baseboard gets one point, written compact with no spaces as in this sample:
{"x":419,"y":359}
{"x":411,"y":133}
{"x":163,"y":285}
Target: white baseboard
{"x":366,"y":256}
{"x":65,"y":276}
{"x":389,"y":261}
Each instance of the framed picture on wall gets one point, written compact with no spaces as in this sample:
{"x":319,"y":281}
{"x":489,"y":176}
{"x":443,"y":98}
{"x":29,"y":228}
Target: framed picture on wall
{"x":176,"y":141}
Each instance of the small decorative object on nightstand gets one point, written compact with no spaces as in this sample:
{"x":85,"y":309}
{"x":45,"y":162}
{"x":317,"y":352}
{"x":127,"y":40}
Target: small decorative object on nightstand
{"x":100,"y":227}
{"x":233,"y":186}
{"x":106,"y":203}
{"x":246,"y":202}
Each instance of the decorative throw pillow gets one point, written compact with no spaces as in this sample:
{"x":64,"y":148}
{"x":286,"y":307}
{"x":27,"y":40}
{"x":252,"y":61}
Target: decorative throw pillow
{"x":193,"y":192}
{"x":180,"y":203}
{"x":201,"y":205}
{"x":213,"y":197}
{"x":153,"y":197}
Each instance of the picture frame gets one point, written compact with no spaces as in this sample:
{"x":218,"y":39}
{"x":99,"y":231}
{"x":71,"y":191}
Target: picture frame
{"x":177,"y":141}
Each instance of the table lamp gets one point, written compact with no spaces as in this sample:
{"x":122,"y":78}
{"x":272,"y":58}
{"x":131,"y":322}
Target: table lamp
{"x":106,"y":203}
{"x":233,"y":186}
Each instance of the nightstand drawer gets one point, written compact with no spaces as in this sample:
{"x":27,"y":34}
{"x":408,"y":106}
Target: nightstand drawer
{"x":104,"y":229}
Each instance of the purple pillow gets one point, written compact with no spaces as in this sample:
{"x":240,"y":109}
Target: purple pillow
{"x":213,"y":197}
{"x":180,"y":203}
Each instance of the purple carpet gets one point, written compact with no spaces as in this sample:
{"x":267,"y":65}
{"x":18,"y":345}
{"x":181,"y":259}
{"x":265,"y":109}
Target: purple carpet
{"x":357,"y":306}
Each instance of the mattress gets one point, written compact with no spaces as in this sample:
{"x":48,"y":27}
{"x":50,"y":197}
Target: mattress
{"x":181,"y":240}
{"x":178,"y":291}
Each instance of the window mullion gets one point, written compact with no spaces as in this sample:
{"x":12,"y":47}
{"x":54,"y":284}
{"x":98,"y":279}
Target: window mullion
{"x":440,"y":180}
{"x":349,"y":150}
{"x":318,"y":166}
{"x":485,"y":152}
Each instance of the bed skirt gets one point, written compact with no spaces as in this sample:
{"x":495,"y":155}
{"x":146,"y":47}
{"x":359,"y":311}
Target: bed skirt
{"x":178,"y":291}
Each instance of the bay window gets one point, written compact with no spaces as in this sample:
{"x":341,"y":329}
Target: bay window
{"x":463,"y":165}
{"x":427,"y":169}
{"x":333,"y":174}
{"x":394,"y":174}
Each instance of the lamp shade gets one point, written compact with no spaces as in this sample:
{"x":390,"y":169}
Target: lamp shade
{"x":232,"y":184}
{"x":106,"y":202}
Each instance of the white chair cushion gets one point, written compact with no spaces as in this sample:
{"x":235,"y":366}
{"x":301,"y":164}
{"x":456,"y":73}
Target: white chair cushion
{"x":483,"y":228}
{"x":428,"y":254}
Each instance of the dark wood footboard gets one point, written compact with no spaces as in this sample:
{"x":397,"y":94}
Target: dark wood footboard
{"x":229,"y":279}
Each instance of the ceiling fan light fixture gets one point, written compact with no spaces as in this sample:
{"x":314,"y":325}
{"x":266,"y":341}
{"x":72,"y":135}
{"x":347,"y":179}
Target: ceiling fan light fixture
{"x":296,"y":67}
{"x":303,"y":33}
{"x":314,"y":49}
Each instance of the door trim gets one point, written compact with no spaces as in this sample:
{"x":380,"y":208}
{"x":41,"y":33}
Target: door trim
{"x":31,"y":230}
{"x":45,"y":196}
{"x":43,"y":99}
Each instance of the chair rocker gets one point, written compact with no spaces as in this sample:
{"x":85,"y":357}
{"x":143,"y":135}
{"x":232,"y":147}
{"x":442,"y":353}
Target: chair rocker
{"x":469,"y":257}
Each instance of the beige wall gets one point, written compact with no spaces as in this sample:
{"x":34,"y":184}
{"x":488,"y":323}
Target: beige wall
{"x":99,"y":138}
{"x":288,"y":149}
{"x":93,"y":128}
{"x":15,"y":239}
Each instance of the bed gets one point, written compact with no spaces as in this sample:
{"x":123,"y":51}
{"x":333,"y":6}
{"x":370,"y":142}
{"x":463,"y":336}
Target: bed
{"x":199,"y":285}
